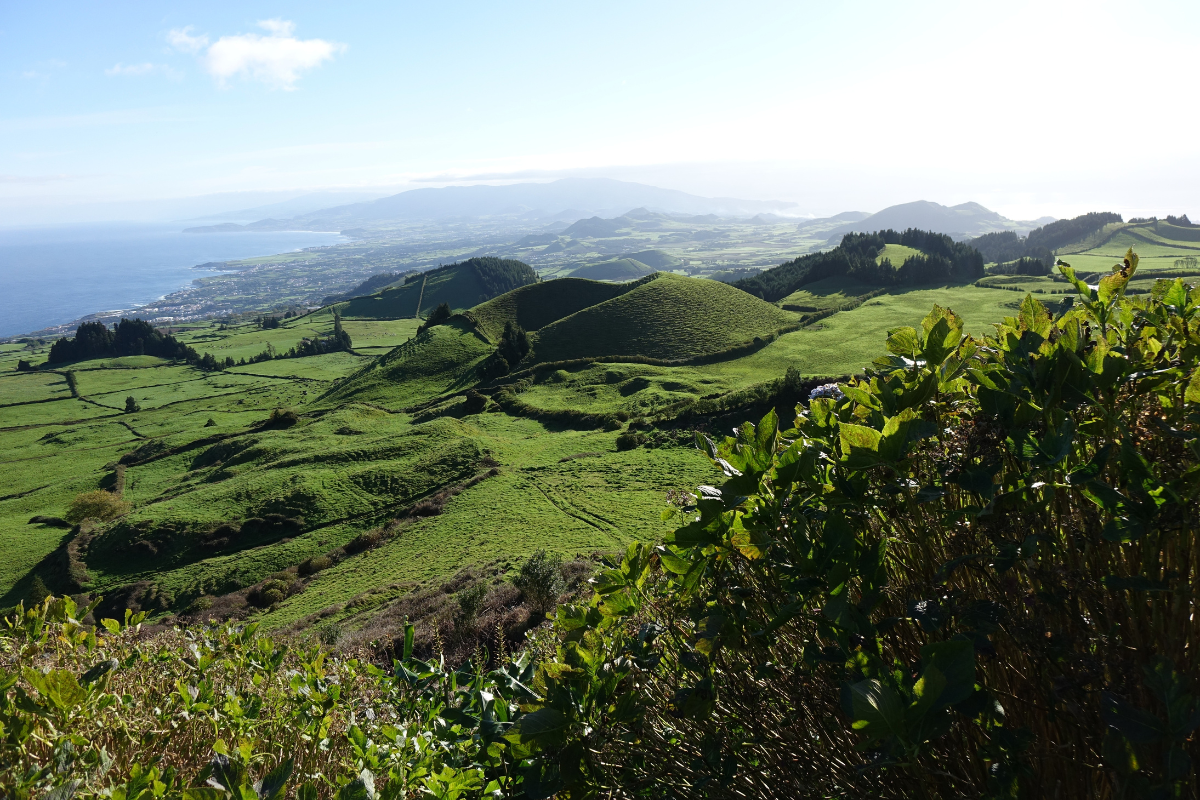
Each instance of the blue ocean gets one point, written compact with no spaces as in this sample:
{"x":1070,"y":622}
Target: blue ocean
{"x":53,"y":275}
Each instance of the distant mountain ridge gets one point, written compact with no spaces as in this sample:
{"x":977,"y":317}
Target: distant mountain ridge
{"x":529,"y":201}
{"x":963,"y":221}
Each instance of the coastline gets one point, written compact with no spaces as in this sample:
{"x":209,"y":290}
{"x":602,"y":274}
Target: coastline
{"x":170,"y":307}
{"x":203,"y":281}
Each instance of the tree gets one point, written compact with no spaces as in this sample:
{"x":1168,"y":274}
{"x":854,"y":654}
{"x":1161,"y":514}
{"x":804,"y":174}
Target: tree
{"x":540,"y":580}
{"x":131,"y":405}
{"x":438,"y":317}
{"x":341,"y":339}
{"x":514,"y":343}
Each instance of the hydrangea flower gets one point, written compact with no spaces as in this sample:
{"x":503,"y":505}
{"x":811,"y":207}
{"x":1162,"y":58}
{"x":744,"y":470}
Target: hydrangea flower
{"x":829,"y":390}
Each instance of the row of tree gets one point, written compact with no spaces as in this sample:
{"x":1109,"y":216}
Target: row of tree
{"x":129,"y":337}
{"x":136,"y":337}
{"x":1034,"y":254}
{"x":941,"y":259}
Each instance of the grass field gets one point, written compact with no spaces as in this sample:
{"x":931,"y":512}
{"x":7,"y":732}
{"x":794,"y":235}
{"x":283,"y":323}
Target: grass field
{"x":1158,"y":246}
{"x":824,"y":295}
{"x":357,"y":458}
{"x":665,"y":317}
{"x":533,"y":307}
{"x":897,"y":254}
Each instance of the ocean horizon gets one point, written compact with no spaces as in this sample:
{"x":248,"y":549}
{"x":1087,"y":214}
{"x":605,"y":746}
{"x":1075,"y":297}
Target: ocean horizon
{"x":53,"y":275}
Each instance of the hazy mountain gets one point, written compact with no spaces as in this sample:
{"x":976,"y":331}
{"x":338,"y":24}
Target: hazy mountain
{"x":294,"y":206}
{"x":585,"y":196}
{"x":962,"y":221}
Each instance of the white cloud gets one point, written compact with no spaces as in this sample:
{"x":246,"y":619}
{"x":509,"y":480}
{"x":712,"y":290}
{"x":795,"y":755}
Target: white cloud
{"x":276,"y":59}
{"x":182,"y":39}
{"x":133,"y":70}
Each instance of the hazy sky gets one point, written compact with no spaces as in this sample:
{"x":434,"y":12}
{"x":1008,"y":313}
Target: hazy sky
{"x":1030,"y":108}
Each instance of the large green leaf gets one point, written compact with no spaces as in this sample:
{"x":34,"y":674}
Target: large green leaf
{"x":860,"y":445}
{"x":955,"y":661}
{"x":1033,"y":316}
{"x":58,"y":686}
{"x":546,"y":727}
{"x":903,"y":342}
{"x":877,"y":709}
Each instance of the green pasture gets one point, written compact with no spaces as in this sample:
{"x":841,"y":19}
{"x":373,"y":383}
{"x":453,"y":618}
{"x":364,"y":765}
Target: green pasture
{"x":825,"y":295}
{"x":667,"y":316}
{"x":18,"y":387}
{"x":367,"y":445}
{"x":897,"y":254}
{"x":535,"y":306}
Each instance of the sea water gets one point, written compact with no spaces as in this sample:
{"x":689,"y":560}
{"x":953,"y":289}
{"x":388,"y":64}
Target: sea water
{"x":53,"y":275}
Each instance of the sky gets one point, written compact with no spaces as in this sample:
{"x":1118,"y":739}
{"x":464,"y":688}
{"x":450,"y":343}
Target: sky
{"x":141,"y":110}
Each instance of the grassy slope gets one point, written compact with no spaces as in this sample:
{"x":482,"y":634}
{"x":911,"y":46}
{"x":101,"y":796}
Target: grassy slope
{"x":897,"y":254}
{"x":657,"y":259}
{"x":665,"y":317}
{"x":843,"y":343}
{"x":54,"y":450}
{"x":825,"y":294}
{"x":458,"y":287}
{"x":439,"y":360}
{"x":574,"y":507}
{"x":537,"y":305}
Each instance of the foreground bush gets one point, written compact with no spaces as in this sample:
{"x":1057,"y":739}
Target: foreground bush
{"x":221,"y":712}
{"x":973,"y":574}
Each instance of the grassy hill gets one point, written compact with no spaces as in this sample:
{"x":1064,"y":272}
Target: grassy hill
{"x":618,"y":269}
{"x":658,"y":259}
{"x":436,"y":361}
{"x":459,"y":285}
{"x":664,"y":316}
{"x":535,"y":306}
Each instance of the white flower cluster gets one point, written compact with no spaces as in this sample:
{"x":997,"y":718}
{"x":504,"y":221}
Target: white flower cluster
{"x":830,"y":390}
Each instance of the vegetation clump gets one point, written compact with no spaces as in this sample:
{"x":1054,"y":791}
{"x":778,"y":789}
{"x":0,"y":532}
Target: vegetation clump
{"x":940,"y":259}
{"x":131,"y":405}
{"x":99,"y":505}
{"x":438,"y":316}
{"x":540,"y":580}
{"x":315,"y":564}
{"x":129,"y":337}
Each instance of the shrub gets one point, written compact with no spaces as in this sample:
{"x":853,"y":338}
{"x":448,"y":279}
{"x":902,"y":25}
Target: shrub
{"x":315,"y":564}
{"x":470,"y":603}
{"x":131,"y":405}
{"x":364,"y":541}
{"x":281,"y":418}
{"x":475,"y":402}
{"x":98,"y":505}
{"x":37,"y":591}
{"x":540,"y":580}
{"x":629,"y":440}
{"x":199,"y":605}
{"x":270,"y":592}
{"x":438,"y":316}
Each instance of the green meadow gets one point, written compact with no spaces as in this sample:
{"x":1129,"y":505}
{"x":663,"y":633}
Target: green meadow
{"x":573,"y":451}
